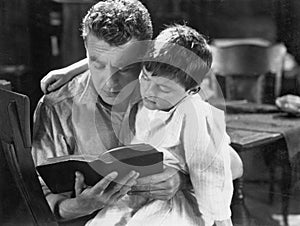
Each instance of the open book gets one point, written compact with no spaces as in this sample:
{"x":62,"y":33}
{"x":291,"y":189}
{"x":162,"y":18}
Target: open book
{"x":59,"y":172}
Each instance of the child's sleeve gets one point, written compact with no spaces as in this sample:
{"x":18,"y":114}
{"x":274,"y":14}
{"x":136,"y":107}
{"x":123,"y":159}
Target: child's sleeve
{"x":206,"y":146}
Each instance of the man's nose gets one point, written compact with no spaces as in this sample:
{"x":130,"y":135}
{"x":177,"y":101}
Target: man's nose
{"x":112,"y":77}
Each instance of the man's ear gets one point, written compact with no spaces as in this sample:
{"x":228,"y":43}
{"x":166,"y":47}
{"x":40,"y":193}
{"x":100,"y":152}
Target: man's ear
{"x":85,"y":42}
{"x":194,"y":90}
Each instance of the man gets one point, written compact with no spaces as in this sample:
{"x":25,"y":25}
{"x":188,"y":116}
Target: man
{"x":62,"y":125}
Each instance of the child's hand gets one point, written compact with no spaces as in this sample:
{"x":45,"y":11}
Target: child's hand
{"x":57,"y":78}
{"x":54,"y":80}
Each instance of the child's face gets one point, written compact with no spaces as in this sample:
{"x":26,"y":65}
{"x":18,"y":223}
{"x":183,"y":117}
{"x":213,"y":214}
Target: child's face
{"x":160,"y":93}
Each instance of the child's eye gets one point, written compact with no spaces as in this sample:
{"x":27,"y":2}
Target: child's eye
{"x":126,"y":69}
{"x":144,"y":76}
{"x":164,"y":89}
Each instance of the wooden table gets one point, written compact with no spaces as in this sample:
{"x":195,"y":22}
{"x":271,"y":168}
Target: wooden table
{"x":273,"y":144}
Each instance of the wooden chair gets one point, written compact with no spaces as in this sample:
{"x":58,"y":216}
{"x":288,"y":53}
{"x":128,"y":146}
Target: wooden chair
{"x":254,"y":73}
{"x":22,"y":199}
{"x":250,"y":72}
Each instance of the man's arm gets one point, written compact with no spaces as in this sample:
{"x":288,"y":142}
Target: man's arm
{"x":165,"y":185}
{"x":161,"y":186}
{"x":236,"y":164}
{"x":90,"y":199}
{"x":57,"y":78}
{"x":50,"y":139}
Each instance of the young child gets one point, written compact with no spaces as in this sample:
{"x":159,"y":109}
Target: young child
{"x":190,"y":132}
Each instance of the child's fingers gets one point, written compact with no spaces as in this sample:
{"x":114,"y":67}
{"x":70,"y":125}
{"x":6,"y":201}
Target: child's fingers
{"x":47,"y":81}
{"x":55,"y":85}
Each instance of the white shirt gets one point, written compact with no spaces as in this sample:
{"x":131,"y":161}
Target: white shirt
{"x":193,"y":138}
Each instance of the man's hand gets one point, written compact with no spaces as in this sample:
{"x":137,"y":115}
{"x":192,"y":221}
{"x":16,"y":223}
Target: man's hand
{"x":90,"y":199}
{"x":161,"y":186}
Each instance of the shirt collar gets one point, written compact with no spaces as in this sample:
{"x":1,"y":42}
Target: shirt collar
{"x":89,"y":94}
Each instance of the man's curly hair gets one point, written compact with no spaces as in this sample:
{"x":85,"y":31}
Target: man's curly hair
{"x":118,"y":21}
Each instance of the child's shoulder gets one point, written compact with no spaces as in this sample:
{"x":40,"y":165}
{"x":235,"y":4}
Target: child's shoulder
{"x":195,"y":103}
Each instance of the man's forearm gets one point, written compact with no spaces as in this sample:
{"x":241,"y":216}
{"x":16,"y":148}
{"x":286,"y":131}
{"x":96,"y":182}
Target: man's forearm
{"x":62,"y":205}
{"x":65,"y":208}
{"x":70,"y":208}
{"x":77,"y":68}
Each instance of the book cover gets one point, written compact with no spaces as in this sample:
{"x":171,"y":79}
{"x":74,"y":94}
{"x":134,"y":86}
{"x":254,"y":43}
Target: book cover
{"x":59,"y":172}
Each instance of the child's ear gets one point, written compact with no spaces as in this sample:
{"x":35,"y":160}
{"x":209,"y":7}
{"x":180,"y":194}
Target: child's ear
{"x":194,"y":90}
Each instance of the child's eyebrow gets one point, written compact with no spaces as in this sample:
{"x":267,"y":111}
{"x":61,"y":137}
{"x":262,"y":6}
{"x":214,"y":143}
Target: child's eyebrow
{"x":146,"y":72}
{"x":164,"y":84}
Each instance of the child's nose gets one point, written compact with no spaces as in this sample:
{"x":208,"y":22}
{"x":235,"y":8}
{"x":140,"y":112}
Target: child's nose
{"x":151,"y":90}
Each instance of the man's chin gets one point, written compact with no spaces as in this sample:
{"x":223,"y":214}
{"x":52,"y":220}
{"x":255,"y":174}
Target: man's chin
{"x":109,"y":99}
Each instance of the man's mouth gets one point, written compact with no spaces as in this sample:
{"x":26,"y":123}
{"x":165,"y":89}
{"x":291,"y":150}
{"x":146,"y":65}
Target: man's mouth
{"x":112,"y":93}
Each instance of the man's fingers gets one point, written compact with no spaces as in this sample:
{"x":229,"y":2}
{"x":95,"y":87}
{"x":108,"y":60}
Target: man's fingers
{"x":79,"y":183}
{"x":158,"y":194}
{"x":132,"y":175}
{"x":153,"y":187}
{"x":127,"y":187}
{"x":123,"y":190}
{"x":157,"y":178}
{"x":103,"y":184}
{"x":125,"y":183}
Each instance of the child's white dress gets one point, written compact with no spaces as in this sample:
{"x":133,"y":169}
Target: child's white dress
{"x":193,"y":138}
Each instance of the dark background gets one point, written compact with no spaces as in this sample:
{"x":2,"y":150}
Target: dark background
{"x":39,"y":35}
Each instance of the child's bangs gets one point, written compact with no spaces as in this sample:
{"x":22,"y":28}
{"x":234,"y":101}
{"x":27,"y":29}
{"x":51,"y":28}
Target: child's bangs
{"x":159,"y":68}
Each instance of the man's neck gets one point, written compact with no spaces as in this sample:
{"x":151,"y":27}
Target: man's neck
{"x":121,"y":107}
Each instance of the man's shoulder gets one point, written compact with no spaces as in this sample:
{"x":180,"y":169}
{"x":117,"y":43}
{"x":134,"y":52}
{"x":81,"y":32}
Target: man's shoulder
{"x":67,"y":92}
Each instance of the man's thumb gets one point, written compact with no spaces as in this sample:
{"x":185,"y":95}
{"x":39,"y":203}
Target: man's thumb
{"x":79,"y":183}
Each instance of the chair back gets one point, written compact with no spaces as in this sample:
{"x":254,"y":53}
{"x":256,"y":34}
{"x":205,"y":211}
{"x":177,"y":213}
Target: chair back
{"x":22,"y":199}
{"x":251,"y":72}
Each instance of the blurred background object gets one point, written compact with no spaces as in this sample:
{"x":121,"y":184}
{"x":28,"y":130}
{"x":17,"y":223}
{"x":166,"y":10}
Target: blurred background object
{"x":249,"y":71}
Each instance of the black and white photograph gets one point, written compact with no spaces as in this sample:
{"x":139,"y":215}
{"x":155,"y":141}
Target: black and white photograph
{"x":150,"y":112}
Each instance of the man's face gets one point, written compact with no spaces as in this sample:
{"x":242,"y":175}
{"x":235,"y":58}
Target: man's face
{"x":159,"y":93}
{"x":110,"y":67}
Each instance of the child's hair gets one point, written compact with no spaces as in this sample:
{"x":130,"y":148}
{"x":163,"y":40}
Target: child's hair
{"x":118,"y":21}
{"x":180,"y":53}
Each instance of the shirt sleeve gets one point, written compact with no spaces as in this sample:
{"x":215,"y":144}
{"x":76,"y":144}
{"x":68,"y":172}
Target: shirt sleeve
{"x":206,"y":147}
{"x":49,"y":140}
